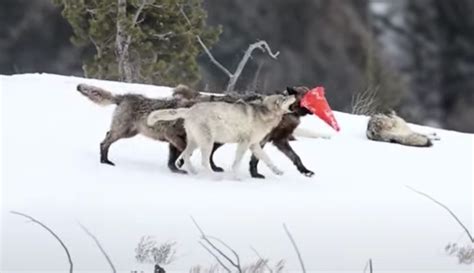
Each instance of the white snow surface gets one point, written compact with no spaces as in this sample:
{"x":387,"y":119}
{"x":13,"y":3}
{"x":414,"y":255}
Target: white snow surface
{"x":356,"y":207}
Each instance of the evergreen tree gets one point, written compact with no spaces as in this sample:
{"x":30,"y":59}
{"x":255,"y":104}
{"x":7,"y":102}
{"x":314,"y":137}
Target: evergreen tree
{"x":150,"y":41}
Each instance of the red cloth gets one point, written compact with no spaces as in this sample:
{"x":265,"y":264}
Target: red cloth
{"x":316,"y":102}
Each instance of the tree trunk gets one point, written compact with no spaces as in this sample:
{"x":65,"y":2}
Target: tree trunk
{"x":122,"y":43}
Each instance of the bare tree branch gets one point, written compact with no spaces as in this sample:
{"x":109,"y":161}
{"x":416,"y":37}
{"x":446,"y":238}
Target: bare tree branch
{"x":139,"y":12}
{"x":303,"y":268}
{"x":447,"y":209}
{"x":215,"y":256}
{"x":262,"y":45}
{"x":211,"y":244}
{"x":237,"y":264}
{"x":369,"y":266}
{"x":52,"y":233}
{"x":203,"y":45}
{"x":99,"y":245}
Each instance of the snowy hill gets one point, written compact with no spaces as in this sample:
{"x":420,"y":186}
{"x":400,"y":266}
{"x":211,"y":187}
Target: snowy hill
{"x":355,"y":208}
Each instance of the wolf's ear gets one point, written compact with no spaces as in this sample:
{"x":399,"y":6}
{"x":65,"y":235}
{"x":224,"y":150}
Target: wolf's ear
{"x":291,"y":91}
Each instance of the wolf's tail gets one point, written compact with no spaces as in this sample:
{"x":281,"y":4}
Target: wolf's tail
{"x":416,"y":140}
{"x":165,"y":115}
{"x":411,"y":139}
{"x":98,"y":95}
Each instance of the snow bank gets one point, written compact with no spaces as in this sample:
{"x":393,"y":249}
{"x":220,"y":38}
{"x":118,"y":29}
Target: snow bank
{"x":356,"y":207}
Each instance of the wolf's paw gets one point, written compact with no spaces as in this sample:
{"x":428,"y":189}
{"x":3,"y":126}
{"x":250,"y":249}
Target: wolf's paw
{"x":308,"y":173}
{"x":257,"y":175}
{"x":179,"y":171}
{"x":217,"y":169}
{"x":277,"y":171}
{"x":108,"y":162}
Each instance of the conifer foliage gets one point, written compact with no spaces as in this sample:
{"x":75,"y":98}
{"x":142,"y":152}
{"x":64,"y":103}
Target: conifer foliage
{"x":148,"y":41}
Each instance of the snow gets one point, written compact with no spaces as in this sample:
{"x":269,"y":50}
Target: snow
{"x":356,"y":207}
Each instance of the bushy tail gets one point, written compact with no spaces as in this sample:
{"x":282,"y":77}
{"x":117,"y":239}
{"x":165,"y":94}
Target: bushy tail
{"x":164,"y":115}
{"x":98,"y":95}
{"x":412,"y":139}
{"x":416,"y":140}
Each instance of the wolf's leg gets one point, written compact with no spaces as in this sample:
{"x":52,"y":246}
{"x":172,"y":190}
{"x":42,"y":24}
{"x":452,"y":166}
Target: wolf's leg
{"x":285,"y":148}
{"x":239,"y":154}
{"x":254,"y":164}
{"x":206,"y":151}
{"x":172,"y":158}
{"x":111,"y":137}
{"x":260,"y":154}
{"x":177,"y":146}
{"x":186,"y":156}
{"x":213,"y":165}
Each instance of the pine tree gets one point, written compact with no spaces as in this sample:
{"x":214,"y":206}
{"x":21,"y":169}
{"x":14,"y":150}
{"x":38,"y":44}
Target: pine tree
{"x":149,"y":41}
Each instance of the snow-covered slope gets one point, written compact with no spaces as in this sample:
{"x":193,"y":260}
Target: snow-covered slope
{"x":356,"y":207}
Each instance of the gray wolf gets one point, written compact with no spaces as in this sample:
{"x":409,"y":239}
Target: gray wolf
{"x":243,"y":123}
{"x":391,"y":128}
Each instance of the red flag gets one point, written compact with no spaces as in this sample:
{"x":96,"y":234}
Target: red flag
{"x":316,"y":102}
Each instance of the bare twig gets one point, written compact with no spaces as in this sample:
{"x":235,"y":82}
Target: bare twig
{"x":365,"y":103}
{"x":99,"y":245}
{"x":264,"y":47}
{"x":215,"y":257}
{"x":139,"y":12}
{"x":303,"y":268}
{"x":208,"y":239}
{"x":369,"y":266}
{"x":261,"y":258}
{"x":52,"y":233}
{"x":211,"y":57}
{"x":447,"y":209}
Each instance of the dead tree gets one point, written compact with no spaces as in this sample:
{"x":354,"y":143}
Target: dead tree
{"x":52,"y":233}
{"x":233,"y":77}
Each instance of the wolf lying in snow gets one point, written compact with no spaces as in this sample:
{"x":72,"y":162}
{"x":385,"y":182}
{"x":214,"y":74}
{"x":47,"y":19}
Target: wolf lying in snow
{"x":392,"y":128}
{"x":244,"y":123}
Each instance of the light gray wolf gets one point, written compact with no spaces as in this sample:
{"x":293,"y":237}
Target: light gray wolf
{"x":392,"y":128}
{"x":244,"y":123}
